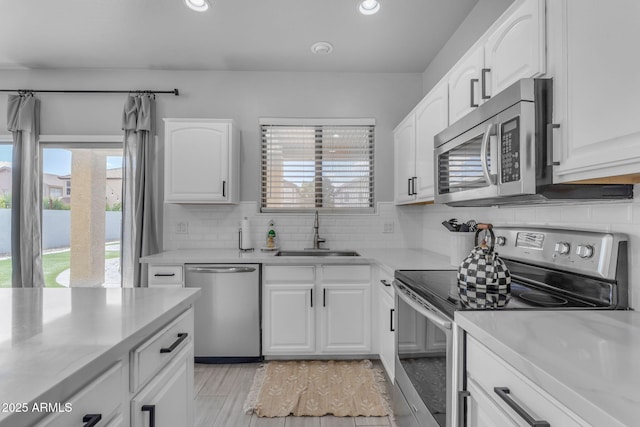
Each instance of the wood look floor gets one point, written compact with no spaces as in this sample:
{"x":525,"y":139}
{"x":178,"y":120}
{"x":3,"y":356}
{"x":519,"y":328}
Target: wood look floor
{"x":220,"y":392}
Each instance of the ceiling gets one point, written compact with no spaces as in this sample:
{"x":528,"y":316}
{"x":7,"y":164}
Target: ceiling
{"x":236,"y":35}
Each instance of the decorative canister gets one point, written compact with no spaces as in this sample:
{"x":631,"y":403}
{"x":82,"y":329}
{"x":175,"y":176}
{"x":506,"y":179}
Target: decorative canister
{"x":484,"y":280}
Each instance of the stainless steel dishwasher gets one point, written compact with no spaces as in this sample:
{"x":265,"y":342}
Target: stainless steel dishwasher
{"x":227,"y":312}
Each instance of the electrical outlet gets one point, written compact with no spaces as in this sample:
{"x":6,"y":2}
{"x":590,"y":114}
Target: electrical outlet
{"x":182,"y":228}
{"x":387,"y":227}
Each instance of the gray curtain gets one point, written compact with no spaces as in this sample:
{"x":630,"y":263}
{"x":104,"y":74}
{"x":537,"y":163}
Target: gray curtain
{"x":141,"y":193}
{"x":23,"y":121}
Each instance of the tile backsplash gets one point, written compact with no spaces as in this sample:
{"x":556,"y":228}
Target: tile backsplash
{"x":209,"y":226}
{"x":618,"y":217}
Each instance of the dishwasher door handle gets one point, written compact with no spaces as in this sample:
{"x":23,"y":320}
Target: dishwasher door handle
{"x":221,"y":269}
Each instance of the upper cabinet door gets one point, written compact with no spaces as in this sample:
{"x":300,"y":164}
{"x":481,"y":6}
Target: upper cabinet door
{"x":431,"y":118}
{"x":198,"y":161}
{"x":515,"y":49}
{"x":594,"y":63}
{"x":404,"y":140}
{"x":464,"y":84}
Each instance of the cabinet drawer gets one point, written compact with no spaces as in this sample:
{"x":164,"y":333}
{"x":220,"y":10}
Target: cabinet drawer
{"x":346,"y":273}
{"x":148,"y":358}
{"x":165,"y":275}
{"x":289,"y":274}
{"x":103,"y":397}
{"x":489,"y":371}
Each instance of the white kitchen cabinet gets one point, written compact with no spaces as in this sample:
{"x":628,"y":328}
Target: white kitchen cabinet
{"x":165,"y":275}
{"x":515,"y":49}
{"x":386,"y":323}
{"x":464,"y":84}
{"x":289,"y":319}
{"x":432,"y":117}
{"x":201,"y":161}
{"x":482,"y":411}
{"x":152,"y":372}
{"x":345,"y":318}
{"x":404,"y":145}
{"x":319,"y":309}
{"x":288,"y":325}
{"x":413,"y":139}
{"x":593,"y":61}
{"x":103,"y":399}
{"x":486,"y":372}
{"x":512,"y":49}
{"x":168,"y":398}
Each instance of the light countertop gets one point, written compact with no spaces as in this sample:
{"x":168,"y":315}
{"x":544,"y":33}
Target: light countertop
{"x":587,"y":360}
{"x":49,"y":337}
{"x":389,"y":258}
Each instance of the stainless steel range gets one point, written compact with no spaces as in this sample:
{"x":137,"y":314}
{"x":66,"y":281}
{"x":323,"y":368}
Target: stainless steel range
{"x":551,"y":269}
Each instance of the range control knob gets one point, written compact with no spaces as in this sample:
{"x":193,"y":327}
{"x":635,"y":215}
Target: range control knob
{"x":501,"y":240}
{"x":563,"y":248}
{"x":584,"y":251}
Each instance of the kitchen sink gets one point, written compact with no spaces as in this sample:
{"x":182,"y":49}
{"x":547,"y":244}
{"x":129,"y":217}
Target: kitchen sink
{"x":317,"y":252}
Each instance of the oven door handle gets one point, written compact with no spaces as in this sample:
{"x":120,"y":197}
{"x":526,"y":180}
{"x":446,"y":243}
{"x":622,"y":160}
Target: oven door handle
{"x":484,"y":148}
{"x":430,"y":314}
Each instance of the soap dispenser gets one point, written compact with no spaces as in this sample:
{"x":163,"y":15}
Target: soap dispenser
{"x":271,"y":236}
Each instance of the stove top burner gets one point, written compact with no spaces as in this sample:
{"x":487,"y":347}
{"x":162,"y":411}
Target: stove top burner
{"x":440,"y":288}
{"x":545,"y":300}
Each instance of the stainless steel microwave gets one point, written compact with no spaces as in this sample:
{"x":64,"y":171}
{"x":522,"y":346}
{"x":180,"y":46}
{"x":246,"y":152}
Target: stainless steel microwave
{"x":501,"y":153}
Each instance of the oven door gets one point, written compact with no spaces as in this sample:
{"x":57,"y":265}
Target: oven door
{"x":423,"y":361}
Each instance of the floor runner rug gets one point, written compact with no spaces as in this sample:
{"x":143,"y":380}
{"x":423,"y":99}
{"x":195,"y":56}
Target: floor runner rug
{"x":346,"y":388}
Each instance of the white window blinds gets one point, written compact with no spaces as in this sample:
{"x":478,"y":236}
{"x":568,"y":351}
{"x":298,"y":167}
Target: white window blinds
{"x":317,"y":166}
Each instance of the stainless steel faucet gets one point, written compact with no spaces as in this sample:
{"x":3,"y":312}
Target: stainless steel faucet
{"x":317,"y":240}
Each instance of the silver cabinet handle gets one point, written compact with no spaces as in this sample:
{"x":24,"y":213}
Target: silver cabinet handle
{"x":503,"y":393}
{"x":164,"y":274}
{"x":473,"y":101}
{"x":484,"y":83}
{"x":221,"y":269}
{"x":550,"y":128}
{"x":384,"y":282}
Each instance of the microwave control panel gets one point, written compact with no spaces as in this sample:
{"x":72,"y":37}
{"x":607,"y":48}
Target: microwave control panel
{"x":510,"y":150}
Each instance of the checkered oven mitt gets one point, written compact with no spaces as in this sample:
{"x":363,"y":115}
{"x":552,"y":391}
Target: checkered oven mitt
{"x":484,"y":280}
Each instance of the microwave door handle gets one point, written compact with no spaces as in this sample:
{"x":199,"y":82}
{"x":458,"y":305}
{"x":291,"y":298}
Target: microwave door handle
{"x":483,"y":155}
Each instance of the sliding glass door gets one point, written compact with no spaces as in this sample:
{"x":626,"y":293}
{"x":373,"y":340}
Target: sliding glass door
{"x":82,"y":214}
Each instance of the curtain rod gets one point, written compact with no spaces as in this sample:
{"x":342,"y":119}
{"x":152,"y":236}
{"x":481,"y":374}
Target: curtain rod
{"x":176,"y":92}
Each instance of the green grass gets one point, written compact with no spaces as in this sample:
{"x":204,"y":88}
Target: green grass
{"x":52,"y":264}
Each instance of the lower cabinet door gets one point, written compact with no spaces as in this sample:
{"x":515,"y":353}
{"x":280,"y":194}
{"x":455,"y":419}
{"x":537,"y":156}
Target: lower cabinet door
{"x":346,"y":314}
{"x":288,"y":322}
{"x":482,"y":412}
{"x":386,"y":330}
{"x":167,"y":401}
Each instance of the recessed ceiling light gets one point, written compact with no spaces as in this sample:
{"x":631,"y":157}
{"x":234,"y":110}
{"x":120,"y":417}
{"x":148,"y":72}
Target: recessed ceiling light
{"x":197,"y":5}
{"x":369,"y":7}
{"x":322,"y":48}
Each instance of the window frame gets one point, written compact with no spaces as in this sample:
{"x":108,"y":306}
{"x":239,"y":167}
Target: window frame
{"x":318,"y":123}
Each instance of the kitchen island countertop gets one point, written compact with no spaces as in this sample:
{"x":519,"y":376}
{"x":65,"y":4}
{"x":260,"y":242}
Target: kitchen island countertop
{"x":586,"y":359}
{"x":55,"y":340}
